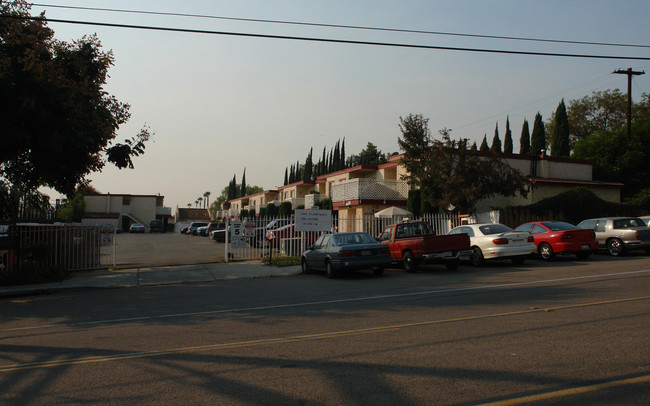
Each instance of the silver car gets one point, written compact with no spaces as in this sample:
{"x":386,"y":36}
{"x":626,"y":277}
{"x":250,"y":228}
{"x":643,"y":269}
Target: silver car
{"x":619,"y":234}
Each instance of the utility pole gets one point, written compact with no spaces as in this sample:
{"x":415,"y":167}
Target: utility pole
{"x":629,"y":72}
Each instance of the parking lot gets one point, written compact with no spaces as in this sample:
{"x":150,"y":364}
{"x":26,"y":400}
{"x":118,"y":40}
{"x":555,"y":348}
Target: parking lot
{"x":143,"y":250}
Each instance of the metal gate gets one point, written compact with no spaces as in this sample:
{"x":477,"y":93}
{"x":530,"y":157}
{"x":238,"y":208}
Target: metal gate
{"x":74,"y":247}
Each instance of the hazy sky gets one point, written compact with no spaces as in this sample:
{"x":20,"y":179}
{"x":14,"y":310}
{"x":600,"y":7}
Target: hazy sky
{"x":219,"y":104}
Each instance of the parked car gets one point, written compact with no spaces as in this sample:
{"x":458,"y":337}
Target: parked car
{"x":497,"y":241}
{"x":646,"y":220}
{"x":276,"y":236}
{"x":184,"y":229}
{"x":558,"y":237}
{"x":619,"y":234}
{"x":215,"y":226}
{"x":335,"y":253}
{"x":137,"y":228}
{"x":219,"y":235}
{"x":260,"y":232}
{"x":155,"y":226}
{"x":415,"y":242}
{"x":194,"y":225}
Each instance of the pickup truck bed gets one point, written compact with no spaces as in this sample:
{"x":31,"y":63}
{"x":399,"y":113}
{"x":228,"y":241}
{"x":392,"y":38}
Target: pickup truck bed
{"x":415,"y":242}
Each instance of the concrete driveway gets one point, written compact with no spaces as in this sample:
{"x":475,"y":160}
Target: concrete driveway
{"x":146,"y":250}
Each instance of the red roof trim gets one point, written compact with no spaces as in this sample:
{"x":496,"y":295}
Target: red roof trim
{"x":574,"y":182}
{"x":299,"y":183}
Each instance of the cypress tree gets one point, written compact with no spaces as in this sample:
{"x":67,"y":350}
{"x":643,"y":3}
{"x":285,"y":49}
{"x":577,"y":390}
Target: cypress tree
{"x":343,"y":154}
{"x":496,"y":141}
{"x":524,"y":140}
{"x":538,"y":138}
{"x":243,"y":183}
{"x":560,"y":135}
{"x":308,"y":171}
{"x":286,"y":176}
{"x":484,"y":144}
{"x":507,"y":143}
{"x":474,"y":147}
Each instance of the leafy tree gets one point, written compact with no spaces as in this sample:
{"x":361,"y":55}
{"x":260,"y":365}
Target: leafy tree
{"x":484,"y":144}
{"x":612,"y":162}
{"x":560,"y":134}
{"x":59,"y":123}
{"x":370,"y":155}
{"x":496,"y":141}
{"x":524,"y":140}
{"x":507,"y":143}
{"x":448,"y":173}
{"x":538,"y":138}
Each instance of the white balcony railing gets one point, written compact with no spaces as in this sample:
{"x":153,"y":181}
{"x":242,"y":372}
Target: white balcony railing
{"x":370,"y":189}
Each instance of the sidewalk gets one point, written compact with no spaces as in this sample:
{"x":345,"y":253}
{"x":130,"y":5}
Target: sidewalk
{"x":150,"y":276}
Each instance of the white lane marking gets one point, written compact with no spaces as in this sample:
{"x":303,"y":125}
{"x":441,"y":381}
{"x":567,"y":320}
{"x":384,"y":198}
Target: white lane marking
{"x":323,"y":302}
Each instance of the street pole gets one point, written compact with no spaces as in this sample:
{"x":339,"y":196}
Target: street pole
{"x":629,"y":72}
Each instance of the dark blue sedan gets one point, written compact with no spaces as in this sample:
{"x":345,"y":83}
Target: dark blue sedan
{"x":335,"y":253}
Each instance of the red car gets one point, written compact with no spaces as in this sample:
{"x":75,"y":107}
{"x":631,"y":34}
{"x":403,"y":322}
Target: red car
{"x":558,"y":237}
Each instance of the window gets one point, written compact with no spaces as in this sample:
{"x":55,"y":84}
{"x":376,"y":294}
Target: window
{"x":385,"y":236}
{"x":538,"y":229}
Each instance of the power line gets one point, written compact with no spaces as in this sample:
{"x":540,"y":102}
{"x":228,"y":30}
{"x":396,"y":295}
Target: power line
{"x":328,"y":40}
{"x":355,"y":27}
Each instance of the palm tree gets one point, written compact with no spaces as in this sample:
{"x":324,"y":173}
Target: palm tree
{"x":207,"y":199}
{"x":200,"y":199}
{"x":189,"y":205}
{"x":196,"y":204}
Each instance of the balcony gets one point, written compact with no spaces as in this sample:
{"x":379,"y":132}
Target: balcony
{"x":374,"y":190}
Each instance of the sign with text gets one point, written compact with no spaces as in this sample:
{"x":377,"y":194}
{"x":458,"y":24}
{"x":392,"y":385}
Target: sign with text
{"x":313,"y":220}
{"x":237,"y":238}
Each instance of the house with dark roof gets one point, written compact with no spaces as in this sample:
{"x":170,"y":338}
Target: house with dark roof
{"x":185,"y":216}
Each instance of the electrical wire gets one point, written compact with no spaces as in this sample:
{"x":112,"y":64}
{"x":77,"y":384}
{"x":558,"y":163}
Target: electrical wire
{"x":355,"y":27}
{"x":326,"y":40}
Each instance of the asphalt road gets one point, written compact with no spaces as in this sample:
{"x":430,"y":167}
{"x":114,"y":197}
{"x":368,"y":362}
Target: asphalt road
{"x":570,"y":332}
{"x":156,"y":249}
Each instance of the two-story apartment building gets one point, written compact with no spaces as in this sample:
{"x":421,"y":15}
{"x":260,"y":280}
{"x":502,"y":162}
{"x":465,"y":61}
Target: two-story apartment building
{"x":367,"y":189}
{"x":122,"y":210}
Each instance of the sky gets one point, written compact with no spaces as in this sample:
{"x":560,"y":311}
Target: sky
{"x":222,"y":104}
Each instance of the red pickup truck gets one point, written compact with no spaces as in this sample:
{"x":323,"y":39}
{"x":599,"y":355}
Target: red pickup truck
{"x":416,"y":242}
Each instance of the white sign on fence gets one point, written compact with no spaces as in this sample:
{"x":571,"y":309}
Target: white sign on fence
{"x":237,"y":238}
{"x":313,"y":220}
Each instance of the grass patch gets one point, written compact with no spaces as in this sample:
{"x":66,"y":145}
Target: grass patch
{"x":282,"y":261}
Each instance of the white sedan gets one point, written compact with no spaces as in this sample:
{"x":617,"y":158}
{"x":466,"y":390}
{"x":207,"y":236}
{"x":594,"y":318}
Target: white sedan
{"x":497,"y":241}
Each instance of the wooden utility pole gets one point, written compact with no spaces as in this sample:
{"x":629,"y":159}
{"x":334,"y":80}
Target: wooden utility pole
{"x":629,"y":72}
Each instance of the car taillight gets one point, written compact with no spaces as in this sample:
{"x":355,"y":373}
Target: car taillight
{"x":531,"y":239}
{"x":566,"y":237}
{"x":501,"y":241}
{"x":347,"y":253}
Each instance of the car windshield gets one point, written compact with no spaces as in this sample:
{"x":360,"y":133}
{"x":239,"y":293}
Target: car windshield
{"x":626,"y":223}
{"x":352,"y":238}
{"x":558,"y":226}
{"x":489,"y":229}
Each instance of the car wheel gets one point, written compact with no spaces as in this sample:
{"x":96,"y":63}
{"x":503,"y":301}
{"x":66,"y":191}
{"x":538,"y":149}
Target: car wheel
{"x":477,"y":257}
{"x":545,"y":251}
{"x":518,"y":260}
{"x":452,"y":264}
{"x":305,"y":266}
{"x":331,"y":273}
{"x":583,"y":255}
{"x":615,"y":247}
{"x":410,"y":263}
{"x":378,"y":271}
